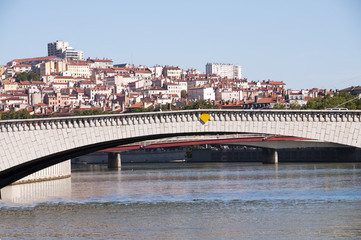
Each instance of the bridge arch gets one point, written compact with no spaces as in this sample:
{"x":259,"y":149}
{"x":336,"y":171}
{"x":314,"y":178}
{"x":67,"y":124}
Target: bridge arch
{"x":33,"y":144}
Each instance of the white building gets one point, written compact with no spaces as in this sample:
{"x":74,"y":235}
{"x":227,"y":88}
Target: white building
{"x":71,"y":53}
{"x":100,"y":63}
{"x":62,"y":49}
{"x":201,"y":93}
{"x":173,"y":88}
{"x":143,"y":73}
{"x":198,"y":82}
{"x":224,"y":70}
{"x":229,"y":94}
{"x":57,"y":48}
{"x":157,"y":71}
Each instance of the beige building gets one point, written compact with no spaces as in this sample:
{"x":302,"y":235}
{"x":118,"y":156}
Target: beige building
{"x":241,"y":83}
{"x":52,"y":67}
{"x":100,"y":90}
{"x":81,"y":70}
{"x":10,"y":86}
{"x":56,"y":99}
{"x":229,"y":94}
{"x":2,"y":70}
{"x":63,"y":79}
{"x":172,"y":72}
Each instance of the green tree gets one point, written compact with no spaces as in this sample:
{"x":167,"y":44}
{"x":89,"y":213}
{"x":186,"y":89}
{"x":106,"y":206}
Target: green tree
{"x":200,"y":104}
{"x":279,"y":106}
{"x":351,"y":102}
{"x":88,"y":112}
{"x":295,"y":106}
{"x":21,"y":77}
{"x":24,"y":76}
{"x":141,"y":109}
{"x":32,"y":76}
{"x":12,"y":114}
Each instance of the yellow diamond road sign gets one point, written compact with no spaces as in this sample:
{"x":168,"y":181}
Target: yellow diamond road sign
{"x":205,"y":117}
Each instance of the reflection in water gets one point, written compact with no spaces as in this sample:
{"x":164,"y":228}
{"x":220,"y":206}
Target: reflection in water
{"x":190,"y":201}
{"x":30,"y":193}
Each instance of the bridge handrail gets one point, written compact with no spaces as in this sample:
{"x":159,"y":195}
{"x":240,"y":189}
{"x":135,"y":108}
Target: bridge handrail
{"x":309,"y":115}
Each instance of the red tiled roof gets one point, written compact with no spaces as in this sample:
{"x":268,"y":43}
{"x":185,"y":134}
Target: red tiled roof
{"x":33,"y":59}
{"x":276,"y":83}
{"x":267,"y":100}
{"x":25,"y":83}
{"x":101,"y":60}
{"x":18,"y":65}
{"x":137,"y":105}
{"x":38,"y":82}
{"x":64,"y":77}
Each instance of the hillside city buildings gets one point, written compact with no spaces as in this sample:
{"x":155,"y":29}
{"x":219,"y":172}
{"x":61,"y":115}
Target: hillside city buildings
{"x":68,"y":83}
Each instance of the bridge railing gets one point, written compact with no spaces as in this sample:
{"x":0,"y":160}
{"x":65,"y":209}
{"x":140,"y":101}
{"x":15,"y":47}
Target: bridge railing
{"x":182,"y":115}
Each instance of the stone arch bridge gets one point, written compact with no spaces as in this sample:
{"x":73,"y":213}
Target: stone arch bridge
{"x":30,"y":145}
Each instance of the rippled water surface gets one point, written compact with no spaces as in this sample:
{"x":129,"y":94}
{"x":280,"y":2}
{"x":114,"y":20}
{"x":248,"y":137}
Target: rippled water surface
{"x":189,"y":201}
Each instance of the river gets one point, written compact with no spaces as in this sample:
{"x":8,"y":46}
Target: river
{"x":189,"y":201}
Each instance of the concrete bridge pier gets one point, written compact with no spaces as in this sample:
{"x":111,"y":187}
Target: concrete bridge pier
{"x":114,"y":160}
{"x":269,"y":156}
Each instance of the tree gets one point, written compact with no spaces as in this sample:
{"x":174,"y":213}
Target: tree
{"x":279,"y":106}
{"x":200,"y":104}
{"x":12,"y":114}
{"x":331,"y":102}
{"x":24,"y":76}
{"x":33,"y":76}
{"x":21,"y":77}
{"x":295,"y":106}
{"x":88,"y":112}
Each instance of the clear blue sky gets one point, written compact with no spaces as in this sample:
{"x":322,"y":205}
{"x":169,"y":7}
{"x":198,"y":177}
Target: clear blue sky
{"x":305,"y":43}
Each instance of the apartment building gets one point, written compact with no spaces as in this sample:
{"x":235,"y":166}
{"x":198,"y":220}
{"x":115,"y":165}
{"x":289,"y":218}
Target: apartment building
{"x":224,"y":70}
{"x":79,"y":70}
{"x":51,"y":67}
{"x":201,"y":92}
{"x":62,"y":49}
{"x":172,"y":72}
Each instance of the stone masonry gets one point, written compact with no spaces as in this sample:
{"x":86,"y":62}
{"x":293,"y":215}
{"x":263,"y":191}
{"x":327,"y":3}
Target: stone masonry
{"x":24,"y":141}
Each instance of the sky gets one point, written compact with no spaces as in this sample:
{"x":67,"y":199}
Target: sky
{"x":304,"y":43}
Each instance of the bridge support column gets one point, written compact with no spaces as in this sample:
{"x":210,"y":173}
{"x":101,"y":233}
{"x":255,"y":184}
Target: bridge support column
{"x":269,"y":156}
{"x":114,"y":160}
